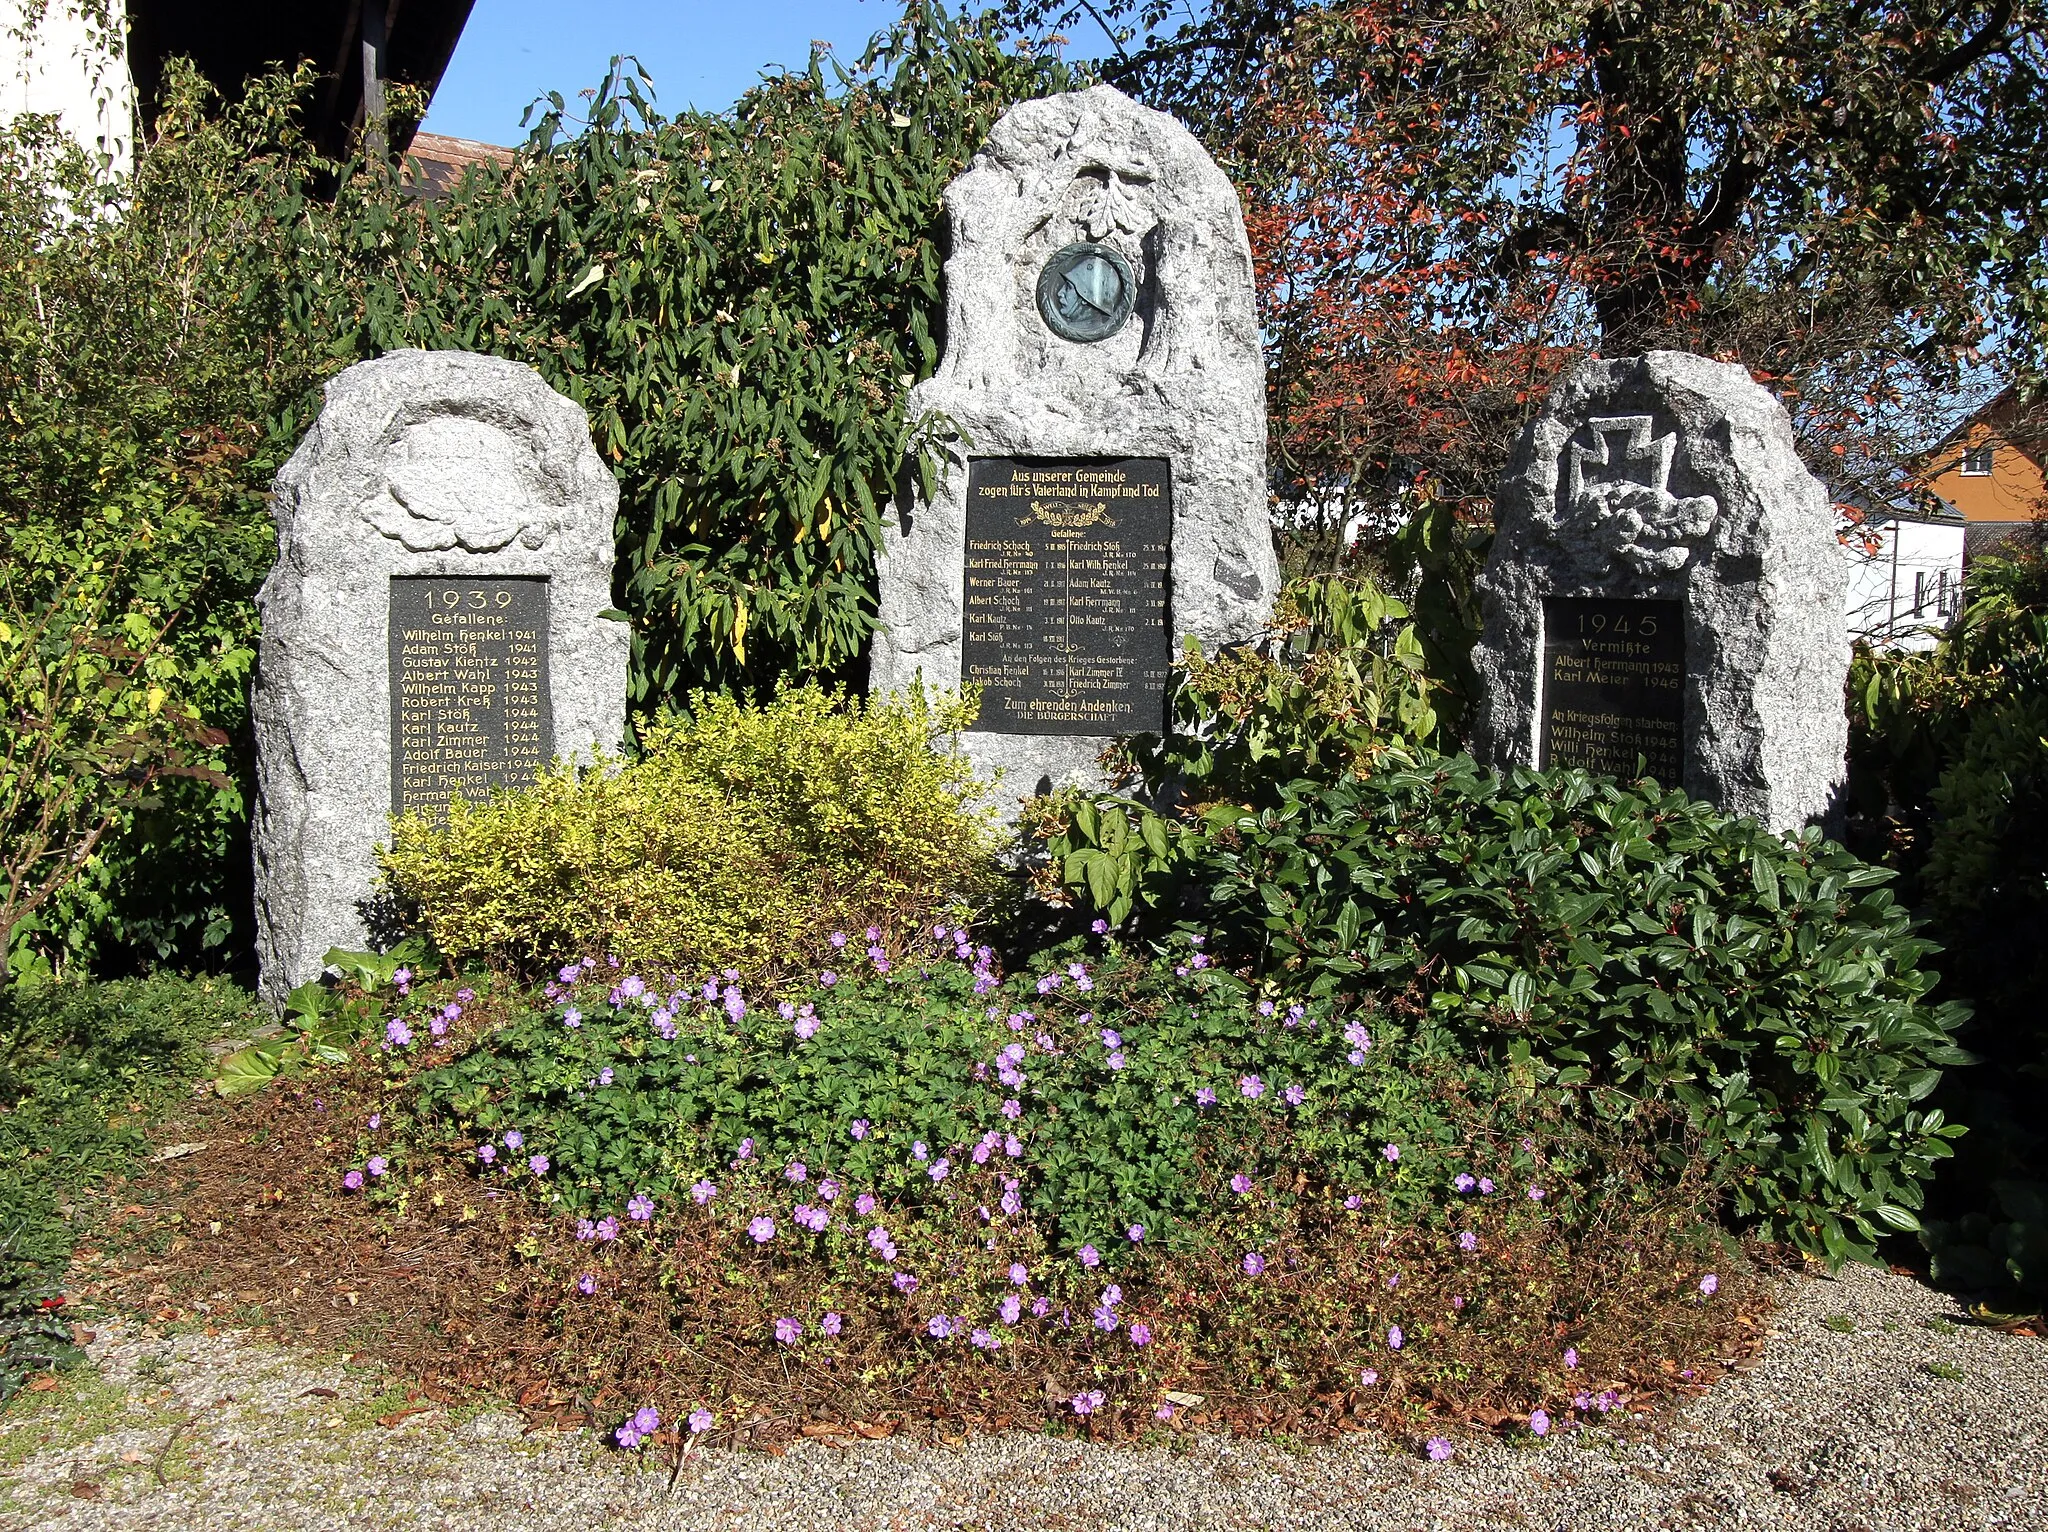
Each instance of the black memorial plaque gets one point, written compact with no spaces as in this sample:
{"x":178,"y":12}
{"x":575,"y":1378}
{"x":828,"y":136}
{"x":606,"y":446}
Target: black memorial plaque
{"x":1066,"y":599}
{"x":469,"y":688}
{"x":1614,"y":686}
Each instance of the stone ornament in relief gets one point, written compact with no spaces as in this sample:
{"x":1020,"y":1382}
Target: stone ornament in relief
{"x":1642,"y":524}
{"x":445,"y":487}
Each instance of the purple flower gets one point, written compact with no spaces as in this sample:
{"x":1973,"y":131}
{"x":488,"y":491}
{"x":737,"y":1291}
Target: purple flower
{"x":1241,"y":1183}
{"x":1468,"y":1242}
{"x":572,"y":1018}
{"x":1116,"y":1061}
{"x":1709,"y":1284}
{"x":1464,"y":1182}
{"x":905,"y":1282}
{"x":1100,"y":928}
{"x":538,"y":1164}
{"x":607,"y":1228}
{"x":376,"y":1164}
{"x":515,"y":1140}
{"x":640,"y":1208}
{"x":1439,"y":1449}
{"x":982,"y":1340}
{"x":746,"y":1149}
{"x":353,"y":1180}
{"x":644,"y":1424}
{"x":828,"y":978}
{"x":604,"y":1076}
{"x":1539,"y":1422}
{"x":1535,"y":1194}
{"x":1088,"y":1402}
{"x":402,"y":976}
{"x":788,"y":1331}
{"x":797,"y":1171}
{"x":859,"y":1128}
{"x":814,"y":1219}
{"x":1105,"y":1317}
{"x":1571,"y":1356}
{"x":703,"y":1191}
{"x":1295,"y":1095}
{"x":486,"y":1152}
{"x":1011,"y":1308}
{"x":1090,"y":1256}
{"x":438,"y":1027}
{"x":1018,"y":1274}
{"x":837,"y":939}
{"x":700,"y":1421}
{"x":376,"y":1120}
{"x":1254,"y":1263}
{"x":1135,"y":1233}
{"x":1251,"y":1087}
{"x":762,"y":1229}
{"x":939,"y":1171}
{"x":397,"y":1033}
{"x":1041,"y":1307}
{"x":1395,"y":1339}
{"x":586,"y":1284}
{"x":1369,"y":1377}
{"x":1393,"y":1153}
{"x":939,"y":1327}
{"x":806,"y":1027}
{"x":920,"y":1150}
{"x":831,"y":1324}
{"x":1141,"y":1334}
{"x":568,"y":975}
{"x":1205,"y":1097}
{"x":632,"y":987}
{"x":828,"y":1189}
{"x":1485,"y":1187}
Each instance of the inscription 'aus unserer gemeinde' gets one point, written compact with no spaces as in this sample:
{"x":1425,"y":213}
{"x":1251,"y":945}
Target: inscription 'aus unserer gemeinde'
{"x":1614,"y":686}
{"x":469,"y":688}
{"x":1065,"y":594}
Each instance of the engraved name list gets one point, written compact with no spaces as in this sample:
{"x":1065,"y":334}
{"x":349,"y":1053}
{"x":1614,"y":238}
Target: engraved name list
{"x":1065,"y":599}
{"x":469,"y":688}
{"x":1614,"y":686}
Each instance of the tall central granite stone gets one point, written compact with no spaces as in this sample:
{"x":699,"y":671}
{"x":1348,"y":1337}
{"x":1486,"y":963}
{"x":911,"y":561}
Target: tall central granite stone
{"x":1105,"y":498}
{"x":434,"y":627}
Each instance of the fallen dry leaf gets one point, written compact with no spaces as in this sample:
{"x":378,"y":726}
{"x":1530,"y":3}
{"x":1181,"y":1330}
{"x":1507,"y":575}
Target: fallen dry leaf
{"x":321,"y":1393}
{"x":85,"y":1489}
{"x":397,"y":1416}
{"x":41,"y":1384}
{"x":875,"y":1430}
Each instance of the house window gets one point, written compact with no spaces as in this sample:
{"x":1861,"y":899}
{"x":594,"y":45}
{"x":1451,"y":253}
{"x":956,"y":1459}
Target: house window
{"x":1977,"y":462}
{"x":1919,"y":592}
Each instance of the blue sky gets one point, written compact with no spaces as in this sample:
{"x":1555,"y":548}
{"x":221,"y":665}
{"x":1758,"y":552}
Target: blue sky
{"x":701,"y":52}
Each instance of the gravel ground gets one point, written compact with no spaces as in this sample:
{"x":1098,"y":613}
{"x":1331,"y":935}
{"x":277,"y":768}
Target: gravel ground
{"x":1888,"y":1417}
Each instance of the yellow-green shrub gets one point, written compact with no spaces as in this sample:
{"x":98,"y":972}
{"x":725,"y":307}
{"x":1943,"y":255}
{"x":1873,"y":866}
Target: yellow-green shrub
{"x":736,"y":840}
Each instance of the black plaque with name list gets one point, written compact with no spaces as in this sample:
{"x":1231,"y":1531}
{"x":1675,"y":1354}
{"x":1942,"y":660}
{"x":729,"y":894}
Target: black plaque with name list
{"x":469,"y":688}
{"x":1614,"y":686}
{"x":1065,"y":594}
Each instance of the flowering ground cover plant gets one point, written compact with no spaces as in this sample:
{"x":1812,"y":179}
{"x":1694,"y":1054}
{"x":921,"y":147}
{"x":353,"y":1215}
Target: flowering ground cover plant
{"x":1114,"y":1192}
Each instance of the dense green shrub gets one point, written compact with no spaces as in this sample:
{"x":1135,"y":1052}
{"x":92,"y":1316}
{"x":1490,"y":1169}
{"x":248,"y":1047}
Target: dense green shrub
{"x":150,"y":385}
{"x":1949,"y":785}
{"x":736,"y":839}
{"x":83,"y":1069}
{"x":1633,"y":948}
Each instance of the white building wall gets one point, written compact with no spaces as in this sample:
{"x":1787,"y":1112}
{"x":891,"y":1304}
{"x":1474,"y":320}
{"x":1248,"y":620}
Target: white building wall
{"x":1903,"y":595}
{"x":68,"y":59}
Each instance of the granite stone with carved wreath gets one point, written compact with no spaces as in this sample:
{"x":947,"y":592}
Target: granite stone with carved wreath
{"x":1665,"y":592}
{"x":1105,"y":496}
{"x":436,"y":626}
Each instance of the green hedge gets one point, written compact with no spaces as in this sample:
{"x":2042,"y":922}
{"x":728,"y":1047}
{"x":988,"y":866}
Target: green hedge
{"x":1626,"y":946}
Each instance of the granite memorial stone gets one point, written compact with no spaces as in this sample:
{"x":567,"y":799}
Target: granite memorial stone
{"x":1665,"y":587}
{"x":433,"y":627}
{"x":1106,"y":497}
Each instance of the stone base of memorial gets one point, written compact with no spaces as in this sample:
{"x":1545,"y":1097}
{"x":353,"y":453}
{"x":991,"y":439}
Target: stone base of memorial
{"x":1107,"y":496}
{"x":432,"y":628}
{"x":1665,"y":589}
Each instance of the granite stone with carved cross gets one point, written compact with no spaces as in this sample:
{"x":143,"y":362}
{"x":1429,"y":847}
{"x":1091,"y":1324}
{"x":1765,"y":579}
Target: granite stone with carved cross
{"x":1104,"y":498}
{"x":1665,"y":588}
